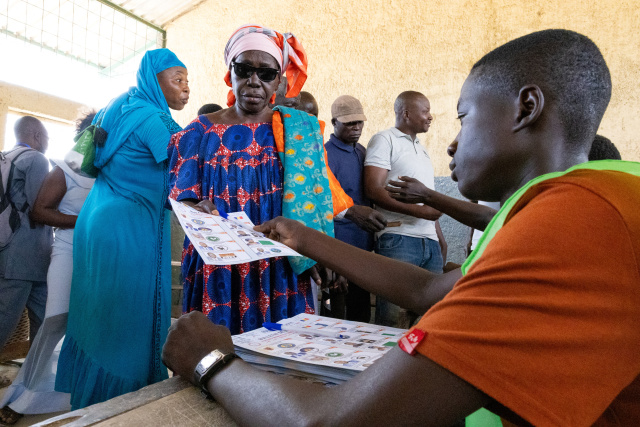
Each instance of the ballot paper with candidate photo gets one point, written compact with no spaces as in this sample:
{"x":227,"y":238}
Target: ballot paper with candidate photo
{"x":225,"y":241}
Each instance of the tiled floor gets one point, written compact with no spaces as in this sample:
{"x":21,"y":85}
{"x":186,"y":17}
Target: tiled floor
{"x":10,"y":370}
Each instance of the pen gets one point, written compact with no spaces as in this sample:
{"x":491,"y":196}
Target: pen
{"x":288,"y":328}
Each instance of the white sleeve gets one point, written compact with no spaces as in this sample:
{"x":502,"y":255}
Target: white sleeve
{"x":378,"y":152}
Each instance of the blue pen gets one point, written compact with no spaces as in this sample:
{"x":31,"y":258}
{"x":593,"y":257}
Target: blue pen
{"x":223,"y":214}
{"x":289,"y":328}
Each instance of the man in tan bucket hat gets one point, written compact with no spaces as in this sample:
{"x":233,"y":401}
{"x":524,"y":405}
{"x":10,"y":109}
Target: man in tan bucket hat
{"x":347,"y":109}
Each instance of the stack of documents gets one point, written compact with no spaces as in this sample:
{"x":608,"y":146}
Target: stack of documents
{"x":329,"y":350}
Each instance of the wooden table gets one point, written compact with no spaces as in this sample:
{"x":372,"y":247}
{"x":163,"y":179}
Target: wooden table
{"x":173,"y":402}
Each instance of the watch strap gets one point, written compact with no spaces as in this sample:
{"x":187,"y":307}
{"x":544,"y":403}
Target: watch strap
{"x":213,"y":369}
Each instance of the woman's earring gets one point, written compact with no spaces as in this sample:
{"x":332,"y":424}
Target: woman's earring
{"x":273,"y":99}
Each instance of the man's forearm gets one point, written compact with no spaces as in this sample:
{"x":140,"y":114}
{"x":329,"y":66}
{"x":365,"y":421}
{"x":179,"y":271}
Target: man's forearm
{"x":253,"y":397}
{"x":377,"y":396}
{"x":470,"y":214}
{"x":403,"y":284}
{"x":381,"y":198}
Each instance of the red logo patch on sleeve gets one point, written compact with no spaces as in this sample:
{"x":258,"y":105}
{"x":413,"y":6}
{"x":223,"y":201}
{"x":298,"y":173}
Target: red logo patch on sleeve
{"x":410,"y":340}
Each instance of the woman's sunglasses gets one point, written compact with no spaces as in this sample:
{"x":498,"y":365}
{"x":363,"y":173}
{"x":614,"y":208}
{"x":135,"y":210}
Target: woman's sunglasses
{"x":244,"y":71}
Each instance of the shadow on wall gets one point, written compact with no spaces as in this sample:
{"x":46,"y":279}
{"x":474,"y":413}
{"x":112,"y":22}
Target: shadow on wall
{"x":456,"y":234}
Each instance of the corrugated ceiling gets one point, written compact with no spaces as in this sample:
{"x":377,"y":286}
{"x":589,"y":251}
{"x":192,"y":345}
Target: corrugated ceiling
{"x":104,"y":34}
{"x":158,"y":12}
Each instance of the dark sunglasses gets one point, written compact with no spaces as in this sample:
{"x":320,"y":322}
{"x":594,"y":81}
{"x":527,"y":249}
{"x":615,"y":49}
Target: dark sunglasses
{"x":244,"y":71}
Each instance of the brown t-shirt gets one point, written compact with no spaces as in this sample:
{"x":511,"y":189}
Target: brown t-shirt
{"x":547,"y":321}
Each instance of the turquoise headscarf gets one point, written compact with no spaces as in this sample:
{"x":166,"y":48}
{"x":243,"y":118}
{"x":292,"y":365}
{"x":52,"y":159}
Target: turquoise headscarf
{"x":126,"y":112}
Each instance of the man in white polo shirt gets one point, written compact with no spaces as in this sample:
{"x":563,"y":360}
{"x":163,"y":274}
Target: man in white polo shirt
{"x":417,"y":238}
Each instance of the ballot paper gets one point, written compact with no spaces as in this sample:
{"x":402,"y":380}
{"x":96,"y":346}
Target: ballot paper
{"x":226,"y":241}
{"x":355,"y":347}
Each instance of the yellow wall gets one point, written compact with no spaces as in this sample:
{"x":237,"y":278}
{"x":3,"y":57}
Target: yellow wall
{"x":32,"y":102}
{"x":375,"y":49}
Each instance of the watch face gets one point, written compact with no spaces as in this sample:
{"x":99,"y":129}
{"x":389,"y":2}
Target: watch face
{"x":208,"y":361}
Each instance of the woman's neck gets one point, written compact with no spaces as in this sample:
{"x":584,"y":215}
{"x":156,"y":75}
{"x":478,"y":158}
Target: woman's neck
{"x":235,"y":115}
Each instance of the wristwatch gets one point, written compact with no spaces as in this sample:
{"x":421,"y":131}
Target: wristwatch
{"x":209,"y":365}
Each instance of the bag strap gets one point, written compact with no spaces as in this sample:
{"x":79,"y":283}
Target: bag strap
{"x":8,"y":154}
{"x":102,"y":113}
{"x":99,"y":122}
{"x":12,"y":158}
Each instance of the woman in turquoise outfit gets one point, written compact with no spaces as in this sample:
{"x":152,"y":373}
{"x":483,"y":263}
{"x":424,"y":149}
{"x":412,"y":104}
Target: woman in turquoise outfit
{"x":119,"y":310}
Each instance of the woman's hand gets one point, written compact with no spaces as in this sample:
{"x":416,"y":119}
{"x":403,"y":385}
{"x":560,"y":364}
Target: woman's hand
{"x":286,"y":231}
{"x":328,"y":279}
{"x":408,"y":190}
{"x":191,"y":338}
{"x":321,"y":275}
{"x":205,"y":206}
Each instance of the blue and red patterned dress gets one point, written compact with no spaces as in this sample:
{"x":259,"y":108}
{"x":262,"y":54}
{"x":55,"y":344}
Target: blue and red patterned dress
{"x":238,"y":169}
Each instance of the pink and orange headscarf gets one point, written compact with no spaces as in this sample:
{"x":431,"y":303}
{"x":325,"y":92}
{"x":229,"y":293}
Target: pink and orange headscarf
{"x":285,"y":48}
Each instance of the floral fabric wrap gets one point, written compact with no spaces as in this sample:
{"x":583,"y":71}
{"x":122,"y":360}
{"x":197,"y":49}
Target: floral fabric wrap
{"x":307,"y":195}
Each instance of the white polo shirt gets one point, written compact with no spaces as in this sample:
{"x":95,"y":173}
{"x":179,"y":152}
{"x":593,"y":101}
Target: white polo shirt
{"x":396,"y":152}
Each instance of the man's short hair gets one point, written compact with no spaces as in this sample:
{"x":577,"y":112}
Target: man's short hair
{"x":25,"y":126}
{"x":567,"y":66}
{"x":405,"y":98}
{"x":603,"y":149}
{"x":209,"y":108}
{"x":308,"y":103}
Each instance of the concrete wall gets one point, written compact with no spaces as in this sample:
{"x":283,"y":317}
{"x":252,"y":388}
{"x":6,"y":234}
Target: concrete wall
{"x":30,"y":101}
{"x":456,"y":234}
{"x":375,"y":49}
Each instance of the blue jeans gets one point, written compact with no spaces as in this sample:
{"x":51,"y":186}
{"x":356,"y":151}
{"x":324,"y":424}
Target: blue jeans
{"x":424,"y":253}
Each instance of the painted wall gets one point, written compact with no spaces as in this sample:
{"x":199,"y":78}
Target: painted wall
{"x":30,"y":101}
{"x":376,"y":49}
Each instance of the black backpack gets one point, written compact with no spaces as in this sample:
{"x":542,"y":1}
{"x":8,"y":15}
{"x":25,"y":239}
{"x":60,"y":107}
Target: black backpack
{"x":9,"y":215}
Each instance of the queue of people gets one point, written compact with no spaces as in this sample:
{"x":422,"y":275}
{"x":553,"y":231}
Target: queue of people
{"x":57,"y":205}
{"x":524,"y":143}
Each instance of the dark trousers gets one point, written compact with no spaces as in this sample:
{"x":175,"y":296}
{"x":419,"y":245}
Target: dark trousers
{"x":354,"y":305}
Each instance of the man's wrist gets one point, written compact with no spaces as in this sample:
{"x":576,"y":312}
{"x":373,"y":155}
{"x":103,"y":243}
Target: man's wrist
{"x":208,"y":386}
{"x":302,"y":239}
{"x":425,"y":194}
{"x":211,"y":364}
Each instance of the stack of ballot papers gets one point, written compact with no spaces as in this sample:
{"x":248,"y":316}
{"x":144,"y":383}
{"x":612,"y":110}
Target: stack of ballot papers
{"x":326,"y":349}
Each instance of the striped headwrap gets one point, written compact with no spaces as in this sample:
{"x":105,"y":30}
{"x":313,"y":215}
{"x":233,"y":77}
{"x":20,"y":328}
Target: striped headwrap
{"x":285,"y":48}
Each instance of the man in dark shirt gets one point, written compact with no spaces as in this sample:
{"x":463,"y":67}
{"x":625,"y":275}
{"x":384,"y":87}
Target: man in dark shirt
{"x":346,"y":160}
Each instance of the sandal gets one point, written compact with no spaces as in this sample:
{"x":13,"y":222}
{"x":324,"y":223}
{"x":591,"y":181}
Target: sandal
{"x":8,"y":416}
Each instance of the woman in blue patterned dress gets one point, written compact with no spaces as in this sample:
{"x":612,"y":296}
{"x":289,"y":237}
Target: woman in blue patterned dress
{"x":228,"y":161}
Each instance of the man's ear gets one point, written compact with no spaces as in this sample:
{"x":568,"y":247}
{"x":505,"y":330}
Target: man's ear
{"x":529,"y":104}
{"x":333,"y":122}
